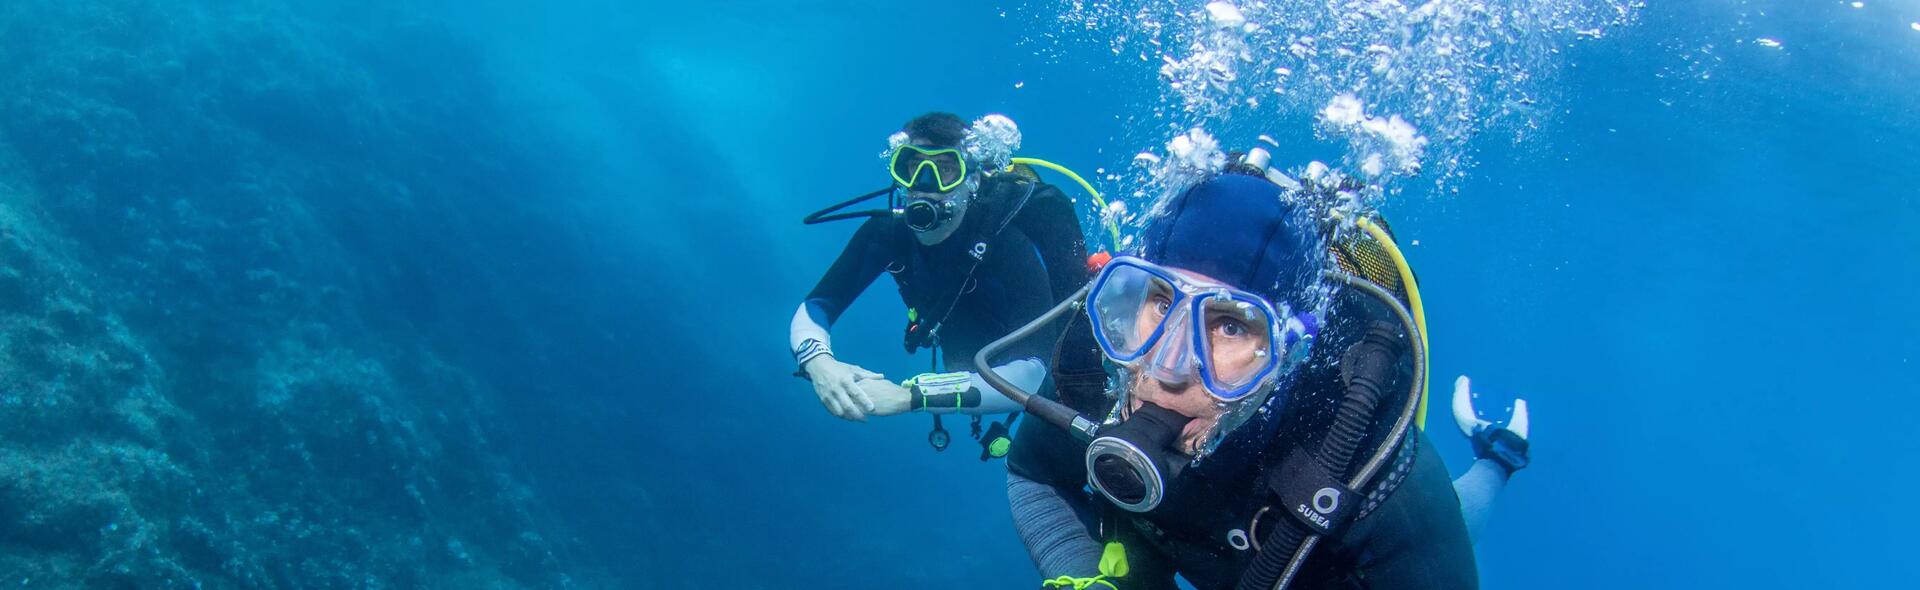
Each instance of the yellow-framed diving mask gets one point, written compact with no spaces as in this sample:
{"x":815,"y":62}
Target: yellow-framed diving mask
{"x":928,"y":170}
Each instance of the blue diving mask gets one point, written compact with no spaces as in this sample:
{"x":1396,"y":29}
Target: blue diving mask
{"x":1176,"y":327}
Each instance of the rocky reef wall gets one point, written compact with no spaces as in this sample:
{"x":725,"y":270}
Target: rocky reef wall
{"x":216,"y":367}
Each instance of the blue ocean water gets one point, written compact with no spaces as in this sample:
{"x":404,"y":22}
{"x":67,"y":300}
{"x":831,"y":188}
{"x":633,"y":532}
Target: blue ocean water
{"x":482,"y":294}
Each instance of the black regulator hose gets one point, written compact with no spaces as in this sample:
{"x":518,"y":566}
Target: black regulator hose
{"x":1365,"y":366}
{"x":1053,"y":412}
{"x":827,"y":214}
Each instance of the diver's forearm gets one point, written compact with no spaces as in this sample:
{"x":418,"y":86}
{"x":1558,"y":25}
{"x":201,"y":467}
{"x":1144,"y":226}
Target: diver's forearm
{"x":807,"y":335}
{"x":1026,"y":373}
{"x":1477,"y":489}
{"x":1056,"y":539}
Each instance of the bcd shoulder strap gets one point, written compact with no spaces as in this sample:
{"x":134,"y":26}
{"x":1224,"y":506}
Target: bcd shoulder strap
{"x":979,"y":251}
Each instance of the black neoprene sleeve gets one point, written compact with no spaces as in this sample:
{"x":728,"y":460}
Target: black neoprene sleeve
{"x":862,"y":261}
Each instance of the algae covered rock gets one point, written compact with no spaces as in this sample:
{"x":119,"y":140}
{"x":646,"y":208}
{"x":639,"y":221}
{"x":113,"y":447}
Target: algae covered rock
{"x":203,"y":381}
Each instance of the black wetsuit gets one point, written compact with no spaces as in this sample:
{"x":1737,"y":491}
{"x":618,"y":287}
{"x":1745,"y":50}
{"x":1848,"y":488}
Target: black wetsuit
{"x":1413,"y":538}
{"x":1031,"y":254}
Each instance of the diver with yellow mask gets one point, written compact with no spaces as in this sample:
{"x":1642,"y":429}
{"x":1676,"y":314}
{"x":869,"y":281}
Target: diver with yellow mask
{"x":1260,"y":425}
{"x":977,"y":247}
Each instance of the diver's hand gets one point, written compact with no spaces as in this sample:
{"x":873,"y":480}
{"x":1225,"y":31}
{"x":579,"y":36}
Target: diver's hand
{"x":837,"y":384}
{"x":887,"y":398}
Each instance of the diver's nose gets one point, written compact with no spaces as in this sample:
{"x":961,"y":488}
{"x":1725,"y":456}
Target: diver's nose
{"x":1171,"y":363}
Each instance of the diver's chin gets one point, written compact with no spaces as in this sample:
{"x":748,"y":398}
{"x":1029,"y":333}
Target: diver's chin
{"x":1194,"y":436}
{"x":934,"y":236}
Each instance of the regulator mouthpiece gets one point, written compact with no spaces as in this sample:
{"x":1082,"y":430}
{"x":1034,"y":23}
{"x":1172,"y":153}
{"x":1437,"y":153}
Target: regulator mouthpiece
{"x":925,"y":215}
{"x":1133,"y":462}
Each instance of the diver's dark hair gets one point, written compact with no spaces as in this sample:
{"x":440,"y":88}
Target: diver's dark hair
{"x":937,"y":128}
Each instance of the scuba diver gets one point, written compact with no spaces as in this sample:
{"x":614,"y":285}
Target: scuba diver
{"x":1260,"y":426}
{"x":977,"y":245}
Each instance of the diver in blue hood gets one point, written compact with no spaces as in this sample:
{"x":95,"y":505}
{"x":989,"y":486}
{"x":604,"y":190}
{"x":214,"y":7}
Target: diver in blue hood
{"x":1247,"y":416}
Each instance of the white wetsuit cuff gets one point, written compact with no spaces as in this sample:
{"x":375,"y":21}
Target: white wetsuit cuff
{"x":807,"y":336}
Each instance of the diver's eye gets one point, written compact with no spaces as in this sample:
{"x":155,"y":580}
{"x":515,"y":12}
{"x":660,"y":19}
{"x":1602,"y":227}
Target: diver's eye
{"x":1161,"y":305}
{"x":1229,"y":327}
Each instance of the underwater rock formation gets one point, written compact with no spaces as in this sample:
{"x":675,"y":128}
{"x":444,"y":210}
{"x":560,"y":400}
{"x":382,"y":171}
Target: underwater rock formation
{"x":203,"y":382}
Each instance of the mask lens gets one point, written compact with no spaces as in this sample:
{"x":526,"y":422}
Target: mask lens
{"x":1130,"y":307}
{"x":948,"y":165}
{"x":1238,"y":345}
{"x":936,"y":171}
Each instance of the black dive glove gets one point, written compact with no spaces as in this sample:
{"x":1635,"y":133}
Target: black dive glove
{"x":1502,"y":447}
